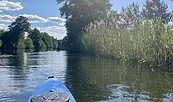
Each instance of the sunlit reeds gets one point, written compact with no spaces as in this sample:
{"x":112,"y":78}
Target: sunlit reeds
{"x":147,"y":42}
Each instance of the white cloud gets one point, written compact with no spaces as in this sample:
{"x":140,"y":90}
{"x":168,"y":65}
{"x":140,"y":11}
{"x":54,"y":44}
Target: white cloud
{"x":58,"y":20}
{"x":7,"y":18}
{"x":31,"y":18}
{"x":10,"y":6}
{"x":55,"y":28}
{"x":35,"y":18}
{"x":3,"y":27}
{"x":57,"y":31}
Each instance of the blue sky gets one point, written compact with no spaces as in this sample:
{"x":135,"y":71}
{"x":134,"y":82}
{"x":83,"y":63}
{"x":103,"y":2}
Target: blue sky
{"x":44,"y":14}
{"x":118,"y":4}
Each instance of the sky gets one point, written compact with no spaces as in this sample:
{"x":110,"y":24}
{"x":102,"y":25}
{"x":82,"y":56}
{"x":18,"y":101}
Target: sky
{"x":44,"y":14}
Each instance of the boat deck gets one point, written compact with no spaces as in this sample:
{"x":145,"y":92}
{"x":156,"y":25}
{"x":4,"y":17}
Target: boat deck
{"x":51,"y":97}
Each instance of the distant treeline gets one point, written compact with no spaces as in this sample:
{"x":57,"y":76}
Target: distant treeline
{"x":21,"y":36}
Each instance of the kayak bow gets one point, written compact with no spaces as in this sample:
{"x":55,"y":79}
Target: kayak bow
{"x":52,"y":90}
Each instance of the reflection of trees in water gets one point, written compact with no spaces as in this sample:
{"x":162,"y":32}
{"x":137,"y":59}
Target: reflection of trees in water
{"x":90,"y":79}
{"x":80,"y":84}
{"x":15,"y":62}
{"x":14,"y":58}
{"x":151,"y":82}
{"x":13,"y":73}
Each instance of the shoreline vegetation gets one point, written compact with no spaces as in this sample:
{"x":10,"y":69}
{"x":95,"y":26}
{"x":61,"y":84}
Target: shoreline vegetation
{"x":150,"y":43}
{"x":20,"y":36}
{"x":135,"y":35}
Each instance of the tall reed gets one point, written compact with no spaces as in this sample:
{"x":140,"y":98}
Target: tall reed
{"x":147,"y":42}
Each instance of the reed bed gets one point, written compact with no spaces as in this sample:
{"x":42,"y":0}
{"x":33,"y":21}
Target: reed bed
{"x":146,"y":43}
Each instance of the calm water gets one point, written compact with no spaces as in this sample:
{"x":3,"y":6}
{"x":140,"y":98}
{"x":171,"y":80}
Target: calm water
{"x":89,"y":78}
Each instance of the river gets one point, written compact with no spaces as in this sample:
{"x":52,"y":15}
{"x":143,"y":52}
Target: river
{"x":89,"y":78}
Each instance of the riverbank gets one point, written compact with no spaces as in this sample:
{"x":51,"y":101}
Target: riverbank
{"x":146,"y":43}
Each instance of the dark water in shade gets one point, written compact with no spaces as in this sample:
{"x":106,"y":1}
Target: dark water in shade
{"x":89,"y":78}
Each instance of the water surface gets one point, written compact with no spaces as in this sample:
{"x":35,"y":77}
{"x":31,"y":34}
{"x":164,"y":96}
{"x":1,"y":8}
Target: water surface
{"x":89,"y":78}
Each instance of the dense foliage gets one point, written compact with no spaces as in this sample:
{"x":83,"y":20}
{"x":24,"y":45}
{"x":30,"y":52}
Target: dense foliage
{"x":140,"y":44}
{"x":156,"y":10}
{"x":130,"y":16}
{"x":1,"y":32}
{"x":78,"y":14}
{"x":21,"y":36}
{"x":140,"y":36}
{"x":12,"y":38}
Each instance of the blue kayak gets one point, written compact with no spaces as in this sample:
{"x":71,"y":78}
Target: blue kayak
{"x":52,"y":90}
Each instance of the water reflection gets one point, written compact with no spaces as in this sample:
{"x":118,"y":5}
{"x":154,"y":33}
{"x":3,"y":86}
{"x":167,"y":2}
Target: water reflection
{"x":99,"y":79}
{"x":89,"y":78}
{"x":13,"y":74}
{"x":22,"y":72}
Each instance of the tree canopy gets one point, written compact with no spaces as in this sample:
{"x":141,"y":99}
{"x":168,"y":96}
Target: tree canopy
{"x":130,"y":16}
{"x":21,"y":36}
{"x":79,"y":13}
{"x":16,"y":32}
{"x":156,"y":10}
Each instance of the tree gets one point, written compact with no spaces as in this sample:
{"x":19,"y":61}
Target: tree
{"x":130,"y":16}
{"x":40,"y":45}
{"x":55,"y":43}
{"x":78,"y":14}
{"x":20,"y":44}
{"x":156,"y":10}
{"x":35,"y":35}
{"x":29,"y":44}
{"x":1,"y":32}
{"x":48,"y":41}
{"x":17,"y":28}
